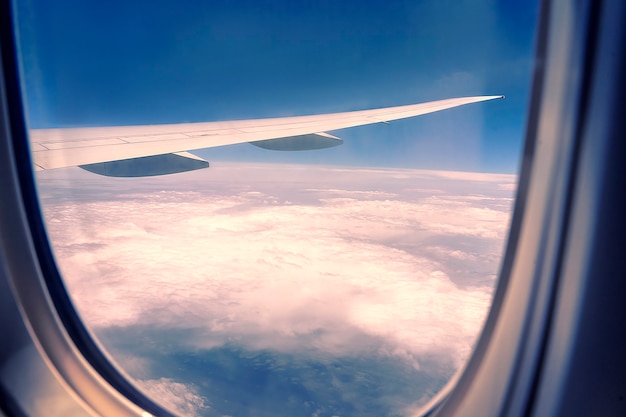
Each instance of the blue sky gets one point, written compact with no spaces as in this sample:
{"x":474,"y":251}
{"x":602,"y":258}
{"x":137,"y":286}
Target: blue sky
{"x":118,"y":62}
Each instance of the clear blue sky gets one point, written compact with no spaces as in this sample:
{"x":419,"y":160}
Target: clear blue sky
{"x":122,"y":62}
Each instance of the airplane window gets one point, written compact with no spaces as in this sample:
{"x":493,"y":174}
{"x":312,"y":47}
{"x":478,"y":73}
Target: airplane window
{"x":294,"y":277}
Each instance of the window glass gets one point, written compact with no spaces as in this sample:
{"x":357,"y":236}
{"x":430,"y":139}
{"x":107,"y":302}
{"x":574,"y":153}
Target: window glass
{"x":345,"y":281}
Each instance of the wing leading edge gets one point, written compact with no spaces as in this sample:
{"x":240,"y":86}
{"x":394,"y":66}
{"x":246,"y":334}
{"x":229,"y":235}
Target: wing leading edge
{"x":65,"y":147}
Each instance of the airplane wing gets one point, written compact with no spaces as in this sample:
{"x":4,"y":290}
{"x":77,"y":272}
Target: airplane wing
{"x":162,"y":149}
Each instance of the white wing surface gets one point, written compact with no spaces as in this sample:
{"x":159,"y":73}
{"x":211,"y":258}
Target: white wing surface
{"x":65,"y":147}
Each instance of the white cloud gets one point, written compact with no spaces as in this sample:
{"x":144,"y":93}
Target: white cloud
{"x":368,"y":259}
{"x":508,"y":186}
{"x":174,"y":396}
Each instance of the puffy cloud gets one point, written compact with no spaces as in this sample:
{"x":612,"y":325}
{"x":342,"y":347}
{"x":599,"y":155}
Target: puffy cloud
{"x":290,"y":259}
{"x":175,"y":396}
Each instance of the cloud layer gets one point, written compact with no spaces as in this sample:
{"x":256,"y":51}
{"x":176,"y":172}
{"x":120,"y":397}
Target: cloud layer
{"x":312,"y":261}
